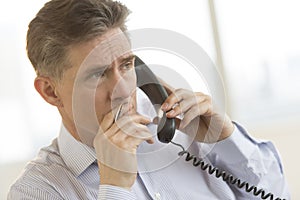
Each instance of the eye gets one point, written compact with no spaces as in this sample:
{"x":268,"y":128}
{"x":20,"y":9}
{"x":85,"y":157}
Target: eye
{"x":127,"y":65}
{"x":96,"y":75}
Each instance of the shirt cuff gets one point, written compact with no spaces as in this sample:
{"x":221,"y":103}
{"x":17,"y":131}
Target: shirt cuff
{"x":110,"y":192}
{"x":236,"y":148}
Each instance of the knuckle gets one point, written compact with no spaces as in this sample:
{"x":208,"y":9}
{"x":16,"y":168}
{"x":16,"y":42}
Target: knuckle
{"x":200,"y":94}
{"x":210,"y":108}
{"x":144,"y":135}
{"x":195,"y":112}
{"x":178,"y":108}
{"x":108,"y":116}
{"x":208,"y":98}
{"x":180,"y":90}
{"x":117,"y":141}
{"x":209,"y":103}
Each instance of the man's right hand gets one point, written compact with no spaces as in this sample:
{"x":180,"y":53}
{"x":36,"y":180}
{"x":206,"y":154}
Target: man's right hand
{"x":116,"y":144}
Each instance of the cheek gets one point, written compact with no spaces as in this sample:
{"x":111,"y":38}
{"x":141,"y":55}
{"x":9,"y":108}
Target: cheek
{"x":84,"y":108}
{"x":101,"y":104}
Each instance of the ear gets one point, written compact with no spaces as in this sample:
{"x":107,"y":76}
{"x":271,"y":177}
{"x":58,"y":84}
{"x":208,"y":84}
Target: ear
{"x":46,"y":88}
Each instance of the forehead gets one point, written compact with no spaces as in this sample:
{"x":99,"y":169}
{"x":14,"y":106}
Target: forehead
{"x":102,"y":50}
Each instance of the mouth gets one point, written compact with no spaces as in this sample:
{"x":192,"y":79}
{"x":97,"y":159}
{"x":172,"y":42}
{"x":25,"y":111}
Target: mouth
{"x":122,"y":109}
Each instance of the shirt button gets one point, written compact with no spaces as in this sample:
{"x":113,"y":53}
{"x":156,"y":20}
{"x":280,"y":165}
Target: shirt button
{"x":157,"y":196}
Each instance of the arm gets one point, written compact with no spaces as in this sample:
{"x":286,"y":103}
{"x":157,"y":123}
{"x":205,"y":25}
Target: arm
{"x":235,"y":151}
{"x":256,"y":162}
{"x":115,"y":145}
{"x":30,"y":193}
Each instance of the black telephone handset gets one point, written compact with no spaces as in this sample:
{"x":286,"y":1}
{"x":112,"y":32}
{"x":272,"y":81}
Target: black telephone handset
{"x":157,"y":94}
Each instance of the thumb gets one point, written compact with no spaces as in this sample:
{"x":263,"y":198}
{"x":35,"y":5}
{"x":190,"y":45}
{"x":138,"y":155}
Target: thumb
{"x":177,"y":121}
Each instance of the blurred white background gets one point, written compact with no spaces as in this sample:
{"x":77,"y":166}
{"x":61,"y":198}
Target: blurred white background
{"x":255,"y":44}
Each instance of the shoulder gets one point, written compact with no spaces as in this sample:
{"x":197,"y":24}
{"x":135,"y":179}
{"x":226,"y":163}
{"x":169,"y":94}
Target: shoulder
{"x":45,"y":175}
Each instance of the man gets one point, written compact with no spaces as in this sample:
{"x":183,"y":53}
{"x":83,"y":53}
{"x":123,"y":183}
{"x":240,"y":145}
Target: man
{"x":85,"y":68}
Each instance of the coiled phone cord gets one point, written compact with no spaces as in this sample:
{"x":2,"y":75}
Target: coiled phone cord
{"x":226,"y":177}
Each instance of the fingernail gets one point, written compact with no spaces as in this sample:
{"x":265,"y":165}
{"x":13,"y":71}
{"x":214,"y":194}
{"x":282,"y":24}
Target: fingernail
{"x":148,"y":120}
{"x":171,"y":113}
{"x":150,"y":141}
{"x":155,"y":120}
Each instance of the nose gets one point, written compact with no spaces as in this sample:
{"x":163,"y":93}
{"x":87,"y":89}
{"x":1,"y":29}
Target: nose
{"x":118,"y":86}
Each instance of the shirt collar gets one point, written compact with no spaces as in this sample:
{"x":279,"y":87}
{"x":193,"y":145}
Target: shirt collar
{"x":76,"y":155}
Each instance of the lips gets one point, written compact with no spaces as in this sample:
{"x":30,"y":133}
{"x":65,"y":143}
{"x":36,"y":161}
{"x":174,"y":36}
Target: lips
{"x":123,"y":109}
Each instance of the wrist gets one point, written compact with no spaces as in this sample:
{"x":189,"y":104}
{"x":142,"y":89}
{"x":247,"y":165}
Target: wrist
{"x":110,"y":176}
{"x":227,"y":131}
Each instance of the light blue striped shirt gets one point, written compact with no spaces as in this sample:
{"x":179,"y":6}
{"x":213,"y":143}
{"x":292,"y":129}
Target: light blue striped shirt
{"x":67,"y":169}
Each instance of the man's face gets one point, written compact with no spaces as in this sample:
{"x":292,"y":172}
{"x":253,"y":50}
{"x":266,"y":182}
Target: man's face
{"x":101,"y":78}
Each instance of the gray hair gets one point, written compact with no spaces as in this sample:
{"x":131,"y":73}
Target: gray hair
{"x":63,"y":23}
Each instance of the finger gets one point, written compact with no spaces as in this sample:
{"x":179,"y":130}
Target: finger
{"x":124,"y":109}
{"x":142,"y":135}
{"x":116,"y":135}
{"x":128,"y":119}
{"x":130,"y":142}
{"x":138,"y":141}
{"x":173,"y":99}
{"x":150,"y":141}
{"x":177,"y":123}
{"x":188,"y":117}
{"x":107,"y":121}
{"x":185,"y":105}
{"x":136,"y":130}
{"x":193,"y":112}
{"x":118,"y":138}
{"x":155,"y":120}
{"x":139,"y":131}
{"x":133,"y":118}
{"x":112,"y":116}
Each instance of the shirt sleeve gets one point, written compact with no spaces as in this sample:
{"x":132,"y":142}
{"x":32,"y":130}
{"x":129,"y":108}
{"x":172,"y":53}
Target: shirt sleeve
{"x":110,"y":192}
{"x":251,"y":160}
{"x":30,"y":193}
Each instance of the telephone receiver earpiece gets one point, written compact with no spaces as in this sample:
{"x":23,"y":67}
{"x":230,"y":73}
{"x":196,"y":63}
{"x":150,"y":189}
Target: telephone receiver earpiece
{"x":147,"y":81}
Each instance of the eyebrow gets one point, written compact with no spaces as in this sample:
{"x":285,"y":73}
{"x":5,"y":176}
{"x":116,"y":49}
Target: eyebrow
{"x":99,"y":68}
{"x":127,"y":58}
